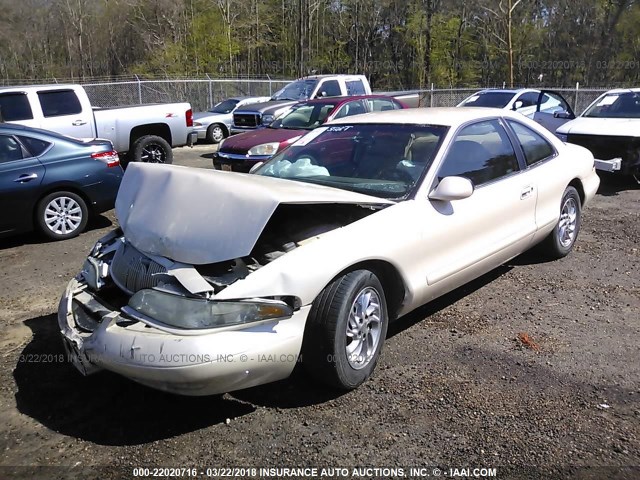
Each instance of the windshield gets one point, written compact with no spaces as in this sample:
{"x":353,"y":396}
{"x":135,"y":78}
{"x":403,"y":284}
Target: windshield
{"x":489,"y":99}
{"x":304,"y":117}
{"x":298,"y":90}
{"x":381,"y":160}
{"x":615,"y":105}
{"x":225,"y":106}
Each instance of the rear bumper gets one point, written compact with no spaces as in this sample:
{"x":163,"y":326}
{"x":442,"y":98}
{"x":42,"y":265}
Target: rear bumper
{"x":102,"y":195}
{"x":192,"y":138}
{"x":612,"y":165}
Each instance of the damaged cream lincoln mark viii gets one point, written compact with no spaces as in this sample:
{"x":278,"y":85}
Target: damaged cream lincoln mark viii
{"x":217,"y":281}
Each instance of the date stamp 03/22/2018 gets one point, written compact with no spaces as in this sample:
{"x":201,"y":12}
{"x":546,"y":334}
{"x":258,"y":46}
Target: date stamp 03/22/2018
{"x":317,"y":472}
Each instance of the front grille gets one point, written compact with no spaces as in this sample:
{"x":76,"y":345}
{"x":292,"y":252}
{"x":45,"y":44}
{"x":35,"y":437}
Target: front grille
{"x":132,"y":270}
{"x":606,"y":148}
{"x":250,"y":120}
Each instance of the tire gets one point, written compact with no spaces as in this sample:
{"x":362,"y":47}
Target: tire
{"x":152,"y":149}
{"x":336,"y":336}
{"x":563,"y":236}
{"x":216,"y":133}
{"x":62,"y":215}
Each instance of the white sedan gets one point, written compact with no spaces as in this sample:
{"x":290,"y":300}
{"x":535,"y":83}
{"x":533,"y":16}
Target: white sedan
{"x":218,"y":281}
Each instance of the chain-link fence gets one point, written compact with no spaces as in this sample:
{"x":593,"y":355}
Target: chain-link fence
{"x":202,"y":93}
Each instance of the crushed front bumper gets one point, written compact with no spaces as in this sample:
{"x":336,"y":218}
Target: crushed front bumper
{"x":193,"y":363}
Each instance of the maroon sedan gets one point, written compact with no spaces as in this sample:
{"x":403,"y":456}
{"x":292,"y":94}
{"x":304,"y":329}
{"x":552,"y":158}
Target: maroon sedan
{"x":240,"y":152}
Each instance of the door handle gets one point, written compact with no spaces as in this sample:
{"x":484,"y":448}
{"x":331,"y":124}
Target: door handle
{"x":78,"y":123}
{"x":26,"y":177}
{"x":526,"y":192}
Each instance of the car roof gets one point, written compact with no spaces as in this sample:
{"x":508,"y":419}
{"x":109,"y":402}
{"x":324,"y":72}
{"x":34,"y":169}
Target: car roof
{"x":445,"y":116}
{"x":623,"y":90}
{"x":340,"y":100}
{"x":18,"y":88}
{"x":508,"y":90}
{"x":16,"y":129}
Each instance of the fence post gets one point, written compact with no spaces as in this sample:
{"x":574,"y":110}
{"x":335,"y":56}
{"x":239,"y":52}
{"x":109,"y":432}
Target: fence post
{"x":139,"y":90}
{"x":575,"y":105}
{"x":210,"y":93}
{"x":270,"y":92}
{"x":431,"y":97}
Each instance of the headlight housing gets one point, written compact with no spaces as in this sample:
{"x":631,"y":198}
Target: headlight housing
{"x":197,"y":124}
{"x":267,"y":119}
{"x":562,"y":136}
{"x":265,"y":149}
{"x":194,"y":313}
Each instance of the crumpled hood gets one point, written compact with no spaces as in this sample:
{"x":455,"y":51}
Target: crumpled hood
{"x":616,"y":127}
{"x":199,"y":216}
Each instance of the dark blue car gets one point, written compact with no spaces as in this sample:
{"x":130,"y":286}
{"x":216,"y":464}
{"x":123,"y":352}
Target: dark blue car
{"x":53,"y":183}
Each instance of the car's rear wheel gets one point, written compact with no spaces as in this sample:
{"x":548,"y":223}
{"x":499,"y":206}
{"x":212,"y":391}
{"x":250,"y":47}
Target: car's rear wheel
{"x":561,"y":240}
{"x":215,"y":133}
{"x":62,"y":215}
{"x":152,"y":149}
{"x":345,"y":330}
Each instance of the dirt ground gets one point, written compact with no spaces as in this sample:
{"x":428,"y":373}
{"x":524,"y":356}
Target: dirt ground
{"x":534,"y":369}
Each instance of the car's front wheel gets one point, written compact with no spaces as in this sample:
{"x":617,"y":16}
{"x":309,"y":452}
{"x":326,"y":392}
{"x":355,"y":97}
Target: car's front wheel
{"x":563,"y":236}
{"x":345,"y":330}
{"x":215,"y":133}
{"x":62,"y":215}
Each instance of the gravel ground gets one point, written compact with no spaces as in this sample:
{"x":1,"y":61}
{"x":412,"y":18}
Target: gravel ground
{"x":534,"y":369}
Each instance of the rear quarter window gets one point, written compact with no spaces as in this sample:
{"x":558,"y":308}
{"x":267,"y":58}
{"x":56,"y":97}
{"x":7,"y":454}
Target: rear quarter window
{"x":355,"y":87}
{"x":535,"y":148}
{"x":15,"y":106}
{"x":56,"y":103}
{"x":33,"y":145}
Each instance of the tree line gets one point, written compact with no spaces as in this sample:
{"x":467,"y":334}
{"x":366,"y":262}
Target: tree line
{"x":399,"y":44}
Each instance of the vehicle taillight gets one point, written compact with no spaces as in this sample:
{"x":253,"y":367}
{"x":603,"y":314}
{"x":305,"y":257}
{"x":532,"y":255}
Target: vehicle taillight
{"x":110,"y":158}
{"x":189,"y":116}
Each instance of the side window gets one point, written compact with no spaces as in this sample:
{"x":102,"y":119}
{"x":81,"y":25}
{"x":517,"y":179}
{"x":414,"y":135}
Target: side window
{"x":529,"y":99}
{"x":535,"y":147}
{"x":56,"y":103}
{"x":15,"y":106}
{"x":10,"y":149}
{"x":381,"y":105}
{"x":331,"y":88}
{"x":36,"y":147}
{"x":356,"y":107}
{"x":481,"y":152}
{"x":355,"y":87}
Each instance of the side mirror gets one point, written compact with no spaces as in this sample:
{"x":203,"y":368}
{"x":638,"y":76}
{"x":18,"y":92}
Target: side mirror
{"x":321,"y":94}
{"x":518,"y":105}
{"x":452,"y":188}
{"x":562,"y":114}
{"x":256,"y":166}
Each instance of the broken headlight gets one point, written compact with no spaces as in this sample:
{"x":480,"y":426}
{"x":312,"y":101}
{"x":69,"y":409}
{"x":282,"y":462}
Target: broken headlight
{"x":195,"y":313}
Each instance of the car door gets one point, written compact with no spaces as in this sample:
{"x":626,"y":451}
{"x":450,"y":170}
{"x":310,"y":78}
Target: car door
{"x":64,"y":113}
{"x":20,"y":179}
{"x":552,"y":110}
{"x":465,"y":238}
{"x":525,"y":103}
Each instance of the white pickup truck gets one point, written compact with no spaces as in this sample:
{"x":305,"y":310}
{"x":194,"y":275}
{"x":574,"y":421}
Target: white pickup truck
{"x":259,"y":115}
{"x":146,"y":132}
